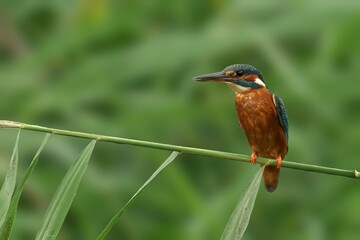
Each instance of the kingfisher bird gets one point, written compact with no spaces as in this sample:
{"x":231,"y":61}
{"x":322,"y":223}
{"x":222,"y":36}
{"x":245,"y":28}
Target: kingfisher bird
{"x":261,"y":114}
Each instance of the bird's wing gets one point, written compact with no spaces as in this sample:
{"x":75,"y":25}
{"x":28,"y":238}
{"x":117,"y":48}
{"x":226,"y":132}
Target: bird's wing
{"x":281,"y":114}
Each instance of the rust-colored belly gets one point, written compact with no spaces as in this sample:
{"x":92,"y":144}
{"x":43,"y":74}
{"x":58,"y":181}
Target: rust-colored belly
{"x":257,"y":116}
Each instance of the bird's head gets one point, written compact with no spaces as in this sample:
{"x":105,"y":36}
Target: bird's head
{"x":240,"y":77}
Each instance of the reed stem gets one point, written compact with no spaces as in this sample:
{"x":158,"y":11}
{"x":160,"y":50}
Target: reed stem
{"x":183,"y":149}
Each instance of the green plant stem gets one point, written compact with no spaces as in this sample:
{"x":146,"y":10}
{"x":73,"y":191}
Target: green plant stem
{"x":183,"y":149}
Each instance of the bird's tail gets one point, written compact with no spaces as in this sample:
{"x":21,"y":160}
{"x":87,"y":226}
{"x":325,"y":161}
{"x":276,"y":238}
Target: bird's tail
{"x":271,"y":177}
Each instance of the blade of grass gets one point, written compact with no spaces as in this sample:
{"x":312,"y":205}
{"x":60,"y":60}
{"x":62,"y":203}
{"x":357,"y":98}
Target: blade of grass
{"x":8,"y":186}
{"x":240,"y":217}
{"x":10,"y":217}
{"x":64,"y":196}
{"x":117,"y":216}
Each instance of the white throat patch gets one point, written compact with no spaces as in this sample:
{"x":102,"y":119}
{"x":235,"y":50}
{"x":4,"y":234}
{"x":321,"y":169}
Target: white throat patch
{"x":239,"y":88}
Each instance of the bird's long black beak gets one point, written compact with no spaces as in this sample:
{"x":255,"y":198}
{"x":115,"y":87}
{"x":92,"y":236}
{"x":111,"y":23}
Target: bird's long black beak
{"x":211,"y":77}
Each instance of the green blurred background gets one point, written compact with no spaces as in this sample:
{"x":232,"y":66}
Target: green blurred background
{"x":125,"y":68}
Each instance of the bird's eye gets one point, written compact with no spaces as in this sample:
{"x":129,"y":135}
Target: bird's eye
{"x":240,"y":73}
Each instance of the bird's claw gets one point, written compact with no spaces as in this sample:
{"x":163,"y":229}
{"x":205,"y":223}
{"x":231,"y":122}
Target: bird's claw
{"x":253,"y":158}
{"x":278,"y":162}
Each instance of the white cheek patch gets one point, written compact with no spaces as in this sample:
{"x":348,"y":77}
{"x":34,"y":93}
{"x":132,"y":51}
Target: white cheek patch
{"x":259,"y":82}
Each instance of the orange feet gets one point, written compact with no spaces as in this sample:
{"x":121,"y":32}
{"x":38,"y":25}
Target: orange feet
{"x":278,"y":162}
{"x":253,"y":158}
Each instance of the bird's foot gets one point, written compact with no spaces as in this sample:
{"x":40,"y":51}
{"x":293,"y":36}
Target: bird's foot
{"x":278,"y":162}
{"x":253,"y":158}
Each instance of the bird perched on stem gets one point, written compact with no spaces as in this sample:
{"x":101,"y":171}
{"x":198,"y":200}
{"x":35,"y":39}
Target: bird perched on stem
{"x":261,"y":114}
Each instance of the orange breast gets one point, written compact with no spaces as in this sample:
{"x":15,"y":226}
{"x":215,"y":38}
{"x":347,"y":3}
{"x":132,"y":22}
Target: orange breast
{"x":257,"y":116}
